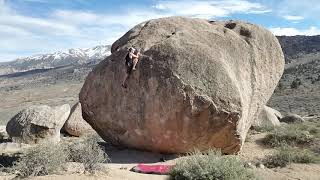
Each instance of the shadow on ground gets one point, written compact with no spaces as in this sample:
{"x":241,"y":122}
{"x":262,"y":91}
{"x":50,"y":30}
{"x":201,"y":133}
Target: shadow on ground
{"x":122,"y":155}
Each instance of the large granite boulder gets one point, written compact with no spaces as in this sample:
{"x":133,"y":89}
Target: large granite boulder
{"x":199,"y":84}
{"x":76,"y":125}
{"x":37,"y":124}
{"x":268,"y":117}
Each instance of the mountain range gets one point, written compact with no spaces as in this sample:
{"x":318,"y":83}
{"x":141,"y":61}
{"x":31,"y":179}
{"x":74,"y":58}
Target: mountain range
{"x":78,"y":56}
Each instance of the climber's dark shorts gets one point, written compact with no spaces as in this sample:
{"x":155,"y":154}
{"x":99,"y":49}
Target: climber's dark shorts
{"x":129,"y":66}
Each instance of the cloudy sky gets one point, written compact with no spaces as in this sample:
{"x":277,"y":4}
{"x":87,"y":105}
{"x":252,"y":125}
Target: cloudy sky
{"x":40,"y":26}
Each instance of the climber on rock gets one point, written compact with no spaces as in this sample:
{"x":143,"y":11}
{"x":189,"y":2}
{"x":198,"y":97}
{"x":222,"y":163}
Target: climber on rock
{"x":132,"y":59}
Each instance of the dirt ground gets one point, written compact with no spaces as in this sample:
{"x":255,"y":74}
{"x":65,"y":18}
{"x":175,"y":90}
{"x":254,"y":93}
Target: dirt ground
{"x":122,"y":160}
{"x":14,"y":101}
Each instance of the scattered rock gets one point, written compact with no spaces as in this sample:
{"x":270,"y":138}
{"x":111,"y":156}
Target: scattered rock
{"x":12,"y":148}
{"x":292,"y":118}
{"x":198,"y":85}
{"x":249,"y":165}
{"x":76,"y":125}
{"x":260,"y":165}
{"x":38,"y":124}
{"x":268,"y":118}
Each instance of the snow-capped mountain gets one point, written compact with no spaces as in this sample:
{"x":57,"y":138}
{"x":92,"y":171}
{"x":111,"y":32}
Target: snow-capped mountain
{"x":78,"y":56}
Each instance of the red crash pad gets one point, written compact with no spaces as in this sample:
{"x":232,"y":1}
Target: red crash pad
{"x":152,"y":169}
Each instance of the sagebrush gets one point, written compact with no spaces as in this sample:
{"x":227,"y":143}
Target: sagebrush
{"x":40,"y":160}
{"x":293,"y":134}
{"x":88,"y":152}
{"x":287,"y":155}
{"x":210,"y":166}
{"x":45,"y":159}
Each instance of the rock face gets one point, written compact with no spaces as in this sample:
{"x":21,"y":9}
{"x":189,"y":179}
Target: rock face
{"x":292,"y":118}
{"x":76,"y":125}
{"x":37,"y":124}
{"x":268,"y":117}
{"x":200,"y":84}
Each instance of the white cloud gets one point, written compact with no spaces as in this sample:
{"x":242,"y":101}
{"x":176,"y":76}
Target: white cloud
{"x":289,"y":31}
{"x":210,"y":8}
{"x":306,"y":9}
{"x":293,"y":18}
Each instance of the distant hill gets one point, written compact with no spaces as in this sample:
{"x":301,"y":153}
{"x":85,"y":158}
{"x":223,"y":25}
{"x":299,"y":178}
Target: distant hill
{"x":295,"y":47}
{"x":302,"y":55}
{"x":78,"y":56}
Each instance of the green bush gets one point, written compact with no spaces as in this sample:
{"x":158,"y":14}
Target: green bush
{"x":88,"y":152}
{"x":295,"y":83}
{"x":45,"y":159}
{"x":209,"y":167}
{"x":293,"y":134}
{"x":40,"y":160}
{"x":315,"y":148}
{"x":286,"y":155}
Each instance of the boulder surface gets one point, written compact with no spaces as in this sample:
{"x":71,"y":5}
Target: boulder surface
{"x":268,"y":117}
{"x":37,"y":124}
{"x":76,"y":125}
{"x":199,"y":84}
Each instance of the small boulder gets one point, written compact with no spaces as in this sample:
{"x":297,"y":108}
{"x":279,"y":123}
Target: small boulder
{"x":37,"y":124}
{"x":3,"y":133}
{"x":76,"y":125}
{"x":268,"y":118}
{"x":9,"y":148}
{"x":292,"y":118}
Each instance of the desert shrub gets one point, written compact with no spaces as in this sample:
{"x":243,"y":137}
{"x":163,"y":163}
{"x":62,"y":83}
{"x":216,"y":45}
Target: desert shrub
{"x":316,"y":147}
{"x":88,"y":152}
{"x":286,"y":155}
{"x":280,"y":86}
{"x":40,"y":160}
{"x":295,"y":83}
{"x":293,"y":134}
{"x":7,"y":160}
{"x":45,"y":159}
{"x":209,"y":167}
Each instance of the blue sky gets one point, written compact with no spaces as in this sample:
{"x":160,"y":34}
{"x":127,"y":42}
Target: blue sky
{"x":30,"y":27}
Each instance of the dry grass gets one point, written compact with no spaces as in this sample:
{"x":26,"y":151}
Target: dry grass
{"x":209,"y":167}
{"x":88,"y":152}
{"x":45,"y":159}
{"x":294,"y":135}
{"x":296,"y":143}
{"x":287,"y":155}
{"x":41,"y":160}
